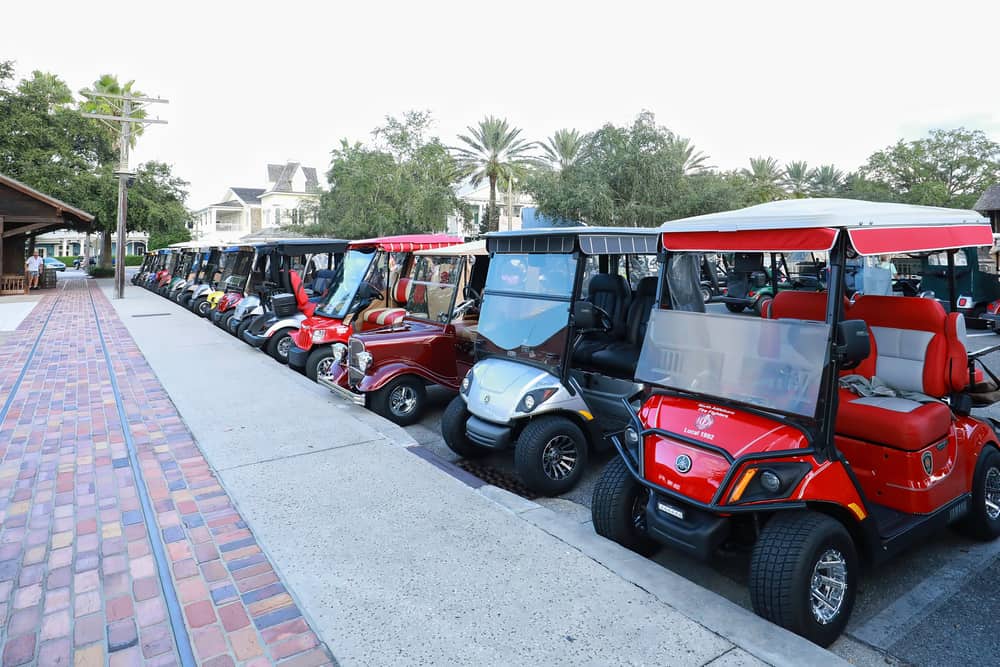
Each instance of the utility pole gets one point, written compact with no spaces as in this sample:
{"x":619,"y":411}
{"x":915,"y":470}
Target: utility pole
{"x":125,"y":105}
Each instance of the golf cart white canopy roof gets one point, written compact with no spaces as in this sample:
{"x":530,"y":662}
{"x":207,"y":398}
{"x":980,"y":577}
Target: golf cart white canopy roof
{"x":812,"y":225}
{"x":470,"y":248}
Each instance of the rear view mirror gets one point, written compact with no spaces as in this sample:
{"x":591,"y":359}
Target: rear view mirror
{"x":584,"y":315}
{"x":853,"y":343}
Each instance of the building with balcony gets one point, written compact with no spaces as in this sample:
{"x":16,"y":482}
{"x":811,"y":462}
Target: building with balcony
{"x":479,"y":201}
{"x":290,"y":197}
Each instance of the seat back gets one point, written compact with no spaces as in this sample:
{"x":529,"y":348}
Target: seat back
{"x":916,"y":346}
{"x":796,"y":306}
{"x":322,"y":281}
{"x":611,"y":294}
{"x":402,"y":292}
{"x":298,"y":289}
{"x":640,"y":310}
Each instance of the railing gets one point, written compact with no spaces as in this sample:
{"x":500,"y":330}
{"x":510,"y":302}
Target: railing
{"x":11,"y":284}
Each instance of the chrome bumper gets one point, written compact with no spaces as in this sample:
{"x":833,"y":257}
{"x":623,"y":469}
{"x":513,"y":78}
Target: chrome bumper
{"x":343,"y":392}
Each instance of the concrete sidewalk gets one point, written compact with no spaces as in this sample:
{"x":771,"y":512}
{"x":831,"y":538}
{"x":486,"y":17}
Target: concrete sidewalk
{"x":393,"y":559}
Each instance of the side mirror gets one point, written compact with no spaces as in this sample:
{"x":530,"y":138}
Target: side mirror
{"x":853,"y":343}
{"x":584,"y":315}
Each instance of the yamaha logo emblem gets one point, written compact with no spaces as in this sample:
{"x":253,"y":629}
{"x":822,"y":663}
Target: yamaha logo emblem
{"x":704,"y":422}
{"x":683,"y":462}
{"x":486,"y":398}
{"x":928,"y":460}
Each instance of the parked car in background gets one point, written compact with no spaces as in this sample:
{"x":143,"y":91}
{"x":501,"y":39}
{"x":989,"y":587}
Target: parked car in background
{"x":78,"y":262}
{"x":53,"y":263}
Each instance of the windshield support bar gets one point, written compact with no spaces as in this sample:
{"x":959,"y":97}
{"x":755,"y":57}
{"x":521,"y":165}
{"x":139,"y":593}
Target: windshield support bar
{"x":952,"y":296}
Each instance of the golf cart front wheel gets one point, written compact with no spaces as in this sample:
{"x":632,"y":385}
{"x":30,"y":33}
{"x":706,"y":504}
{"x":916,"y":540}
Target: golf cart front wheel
{"x":319,"y":362}
{"x":618,"y":509}
{"x":401,"y":401}
{"x":804,"y":575}
{"x":279,"y":344}
{"x":735,"y":307}
{"x":232,"y":324}
{"x":244,"y":325}
{"x":202,"y":307}
{"x":453,"y":422}
{"x":551,"y":455}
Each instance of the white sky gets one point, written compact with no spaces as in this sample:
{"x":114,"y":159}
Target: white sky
{"x":252,"y":82}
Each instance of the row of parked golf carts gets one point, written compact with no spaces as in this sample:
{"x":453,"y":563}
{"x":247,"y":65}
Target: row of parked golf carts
{"x":826,"y":433}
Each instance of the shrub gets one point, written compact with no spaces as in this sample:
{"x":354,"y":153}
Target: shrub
{"x":98,"y":272}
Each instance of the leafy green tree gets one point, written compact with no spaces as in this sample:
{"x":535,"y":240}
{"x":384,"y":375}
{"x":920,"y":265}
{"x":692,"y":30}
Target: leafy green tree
{"x":797,"y":179}
{"x":493,"y":151}
{"x":692,"y":160}
{"x":108,"y":83}
{"x":947,"y":168}
{"x":402,"y":183}
{"x":827,"y":181}
{"x":765,"y":177}
{"x":563,"y":148}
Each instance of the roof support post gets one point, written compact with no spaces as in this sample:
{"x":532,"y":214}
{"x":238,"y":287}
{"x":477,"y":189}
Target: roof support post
{"x":1,"y":245}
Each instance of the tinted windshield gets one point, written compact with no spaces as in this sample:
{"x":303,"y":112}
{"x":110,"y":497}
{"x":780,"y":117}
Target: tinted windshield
{"x":526,"y":314}
{"x":238,"y":268}
{"x":348,"y":275}
{"x":769,"y":364}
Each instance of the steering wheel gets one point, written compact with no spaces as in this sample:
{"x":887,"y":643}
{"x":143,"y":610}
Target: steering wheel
{"x":605,"y":319}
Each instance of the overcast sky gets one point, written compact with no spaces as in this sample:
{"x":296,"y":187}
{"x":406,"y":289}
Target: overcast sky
{"x":255,"y":82}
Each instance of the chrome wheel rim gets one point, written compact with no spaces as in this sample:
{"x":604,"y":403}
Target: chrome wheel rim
{"x":324,"y":366}
{"x":559,"y":457}
{"x":993,"y":494}
{"x":402,"y":400}
{"x":828,"y":586}
{"x":284,"y":345}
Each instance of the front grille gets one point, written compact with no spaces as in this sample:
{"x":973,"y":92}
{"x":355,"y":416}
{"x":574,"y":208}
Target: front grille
{"x":354,"y":374}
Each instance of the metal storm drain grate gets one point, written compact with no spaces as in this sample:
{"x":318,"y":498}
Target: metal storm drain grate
{"x":151,"y":315}
{"x":497,"y":478}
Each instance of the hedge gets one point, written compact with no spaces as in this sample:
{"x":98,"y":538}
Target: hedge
{"x":130,"y":260}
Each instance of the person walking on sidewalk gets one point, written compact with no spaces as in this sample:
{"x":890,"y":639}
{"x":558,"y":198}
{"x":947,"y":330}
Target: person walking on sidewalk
{"x":34,"y":265}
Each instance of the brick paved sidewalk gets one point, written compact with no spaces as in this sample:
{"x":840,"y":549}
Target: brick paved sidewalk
{"x":78,"y":579}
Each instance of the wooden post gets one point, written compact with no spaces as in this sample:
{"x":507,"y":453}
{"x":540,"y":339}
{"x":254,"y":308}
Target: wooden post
{"x":1,"y":245}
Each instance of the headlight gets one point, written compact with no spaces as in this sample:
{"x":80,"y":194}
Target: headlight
{"x":534,"y":398}
{"x":339,"y":350}
{"x":364,"y":360}
{"x":466,"y":383}
{"x":319,"y":335}
{"x":770,"y":481}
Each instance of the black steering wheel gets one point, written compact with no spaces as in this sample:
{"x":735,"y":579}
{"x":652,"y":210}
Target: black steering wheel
{"x":605,"y":319}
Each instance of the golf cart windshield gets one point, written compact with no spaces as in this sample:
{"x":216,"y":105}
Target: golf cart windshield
{"x":432,"y":287}
{"x":347,"y":276}
{"x":238,"y":269}
{"x":526,"y":315}
{"x":770,"y":364}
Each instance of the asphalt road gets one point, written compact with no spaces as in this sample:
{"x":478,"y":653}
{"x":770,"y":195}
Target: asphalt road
{"x":937,"y":604}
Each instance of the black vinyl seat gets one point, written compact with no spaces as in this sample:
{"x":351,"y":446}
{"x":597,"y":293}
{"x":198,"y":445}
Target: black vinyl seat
{"x":619,"y":358}
{"x":611,"y":294}
{"x":321,"y":283}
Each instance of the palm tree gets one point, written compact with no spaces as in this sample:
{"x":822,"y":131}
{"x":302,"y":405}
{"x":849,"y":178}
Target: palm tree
{"x":493,"y":151}
{"x":827,"y":181}
{"x":108,"y":83}
{"x":691,"y":160}
{"x":798,"y":179}
{"x":563,"y":148}
{"x":765,"y":178}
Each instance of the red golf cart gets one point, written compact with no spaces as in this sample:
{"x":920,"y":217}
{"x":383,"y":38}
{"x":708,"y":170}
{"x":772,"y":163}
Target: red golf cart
{"x":368,"y":296}
{"x":388,"y":368}
{"x":825,"y":434}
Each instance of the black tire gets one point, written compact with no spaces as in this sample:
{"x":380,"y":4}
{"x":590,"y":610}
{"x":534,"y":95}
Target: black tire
{"x":784,"y":561}
{"x":706,"y":294}
{"x":618,"y":508}
{"x":759,"y":305}
{"x":453,"y":421}
{"x":401,"y":401}
{"x":201,"y":306}
{"x":184,"y":300}
{"x":735,"y":307}
{"x":555,"y":437}
{"x":977,"y":523}
{"x":275,"y":346}
{"x":232,"y":325}
{"x":245,"y":324}
{"x":223,"y":322}
{"x":319,"y":357}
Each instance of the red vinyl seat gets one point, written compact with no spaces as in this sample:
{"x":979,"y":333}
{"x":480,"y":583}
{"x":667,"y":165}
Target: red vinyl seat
{"x":796,"y":306}
{"x":916,"y":347}
{"x":306,"y":307}
{"x":401,"y":294}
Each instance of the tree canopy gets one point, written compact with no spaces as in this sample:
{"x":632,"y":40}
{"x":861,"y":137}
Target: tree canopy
{"x":403,"y":182}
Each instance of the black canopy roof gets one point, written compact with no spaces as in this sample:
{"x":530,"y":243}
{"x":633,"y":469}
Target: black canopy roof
{"x":589,"y":240}
{"x":306,"y":246}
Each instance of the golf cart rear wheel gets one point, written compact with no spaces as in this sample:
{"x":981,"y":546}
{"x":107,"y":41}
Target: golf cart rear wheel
{"x":804,"y":575}
{"x":184,"y":299}
{"x":453,"y":422}
{"x":320,"y":361}
{"x":706,"y":294}
{"x":401,"y":401}
{"x":735,"y":307}
{"x":761,"y":305}
{"x":223,"y":322}
{"x":232,"y":324}
{"x":618,"y":508}
{"x":551,"y":455}
{"x":983,"y":520}
{"x":279,"y":343}
{"x":202,"y":307}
